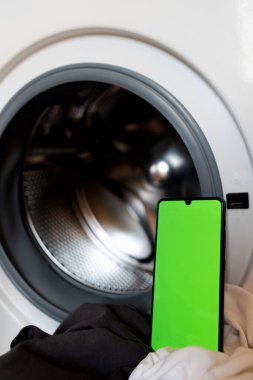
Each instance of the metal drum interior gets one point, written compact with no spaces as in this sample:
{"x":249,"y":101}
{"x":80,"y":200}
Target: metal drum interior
{"x":98,"y":160}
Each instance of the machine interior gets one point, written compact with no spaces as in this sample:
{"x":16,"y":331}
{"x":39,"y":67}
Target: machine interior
{"x":98,"y":160}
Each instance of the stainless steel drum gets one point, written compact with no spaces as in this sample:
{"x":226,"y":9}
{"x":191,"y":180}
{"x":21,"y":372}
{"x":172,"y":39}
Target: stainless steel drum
{"x":86,"y":152}
{"x":94,"y":169}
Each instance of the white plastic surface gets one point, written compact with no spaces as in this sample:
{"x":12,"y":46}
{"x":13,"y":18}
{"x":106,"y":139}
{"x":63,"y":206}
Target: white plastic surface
{"x":16,"y":312}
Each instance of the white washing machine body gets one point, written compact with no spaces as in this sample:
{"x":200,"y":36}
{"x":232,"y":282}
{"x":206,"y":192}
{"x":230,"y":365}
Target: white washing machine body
{"x":200,"y":52}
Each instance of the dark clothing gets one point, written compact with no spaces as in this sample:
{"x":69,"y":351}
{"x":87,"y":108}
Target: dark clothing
{"x":94,"y":342}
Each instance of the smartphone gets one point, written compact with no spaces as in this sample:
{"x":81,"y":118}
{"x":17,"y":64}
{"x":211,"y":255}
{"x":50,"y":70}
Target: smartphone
{"x":187,"y":306}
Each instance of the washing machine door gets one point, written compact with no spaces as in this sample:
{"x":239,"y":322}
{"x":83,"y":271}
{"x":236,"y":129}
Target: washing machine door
{"x":86,"y":161}
{"x":86,"y":152}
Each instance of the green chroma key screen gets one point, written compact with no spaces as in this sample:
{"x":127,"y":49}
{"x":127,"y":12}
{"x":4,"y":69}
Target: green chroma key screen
{"x":188,"y":281}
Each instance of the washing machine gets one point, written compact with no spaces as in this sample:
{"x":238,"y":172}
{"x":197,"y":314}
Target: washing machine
{"x":106,"y":107}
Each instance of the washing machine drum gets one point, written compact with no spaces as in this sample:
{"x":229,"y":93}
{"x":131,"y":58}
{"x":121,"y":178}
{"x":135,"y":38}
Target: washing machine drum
{"x":84,"y":161}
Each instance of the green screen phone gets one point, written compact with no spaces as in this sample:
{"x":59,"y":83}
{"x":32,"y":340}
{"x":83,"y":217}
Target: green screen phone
{"x":189,"y":274}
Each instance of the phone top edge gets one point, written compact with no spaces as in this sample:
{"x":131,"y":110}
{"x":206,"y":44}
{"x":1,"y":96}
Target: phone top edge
{"x":189,"y":200}
{"x":180,"y":199}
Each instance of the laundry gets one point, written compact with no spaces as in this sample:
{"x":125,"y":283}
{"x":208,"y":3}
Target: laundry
{"x":112,"y":342}
{"x":94,"y":342}
{"x":196,"y":363}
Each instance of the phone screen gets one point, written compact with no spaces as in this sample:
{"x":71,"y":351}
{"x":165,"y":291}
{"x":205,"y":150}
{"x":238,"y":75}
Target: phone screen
{"x":188,"y":279}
